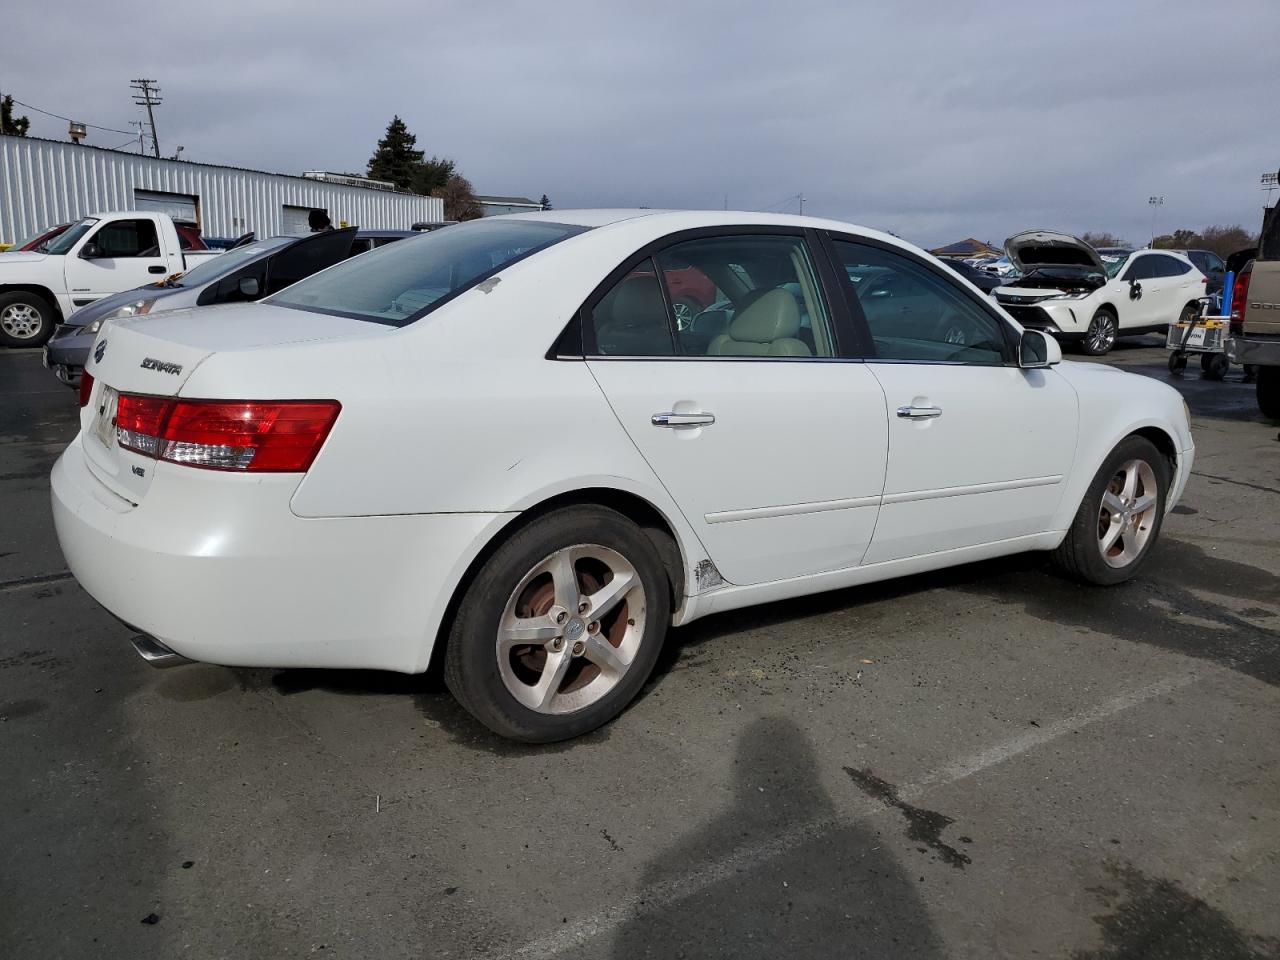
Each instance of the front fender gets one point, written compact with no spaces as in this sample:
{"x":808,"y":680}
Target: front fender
{"x":1115,"y":405}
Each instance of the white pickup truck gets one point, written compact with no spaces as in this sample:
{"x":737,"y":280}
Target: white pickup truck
{"x":100,"y":255}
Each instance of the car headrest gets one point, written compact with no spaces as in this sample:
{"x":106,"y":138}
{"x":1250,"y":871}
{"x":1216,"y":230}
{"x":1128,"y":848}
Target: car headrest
{"x":774,"y":316}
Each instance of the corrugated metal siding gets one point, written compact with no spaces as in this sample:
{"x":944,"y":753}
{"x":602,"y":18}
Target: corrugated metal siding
{"x":44,"y":182}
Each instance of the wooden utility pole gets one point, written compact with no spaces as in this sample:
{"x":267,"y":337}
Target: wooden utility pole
{"x":148,"y":96}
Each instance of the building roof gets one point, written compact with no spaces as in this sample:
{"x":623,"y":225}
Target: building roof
{"x":511,"y":201}
{"x":968,"y":247}
{"x":196,"y":163}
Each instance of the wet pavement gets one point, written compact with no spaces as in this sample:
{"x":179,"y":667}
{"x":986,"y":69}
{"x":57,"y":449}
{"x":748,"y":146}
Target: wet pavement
{"x":989,"y":761}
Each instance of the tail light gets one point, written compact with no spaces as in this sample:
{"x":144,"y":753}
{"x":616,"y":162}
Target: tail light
{"x":1239,"y":296}
{"x":277,"y":436}
{"x":86,"y":387}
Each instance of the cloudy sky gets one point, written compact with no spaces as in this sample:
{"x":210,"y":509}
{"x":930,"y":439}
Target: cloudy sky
{"x":935,"y":120}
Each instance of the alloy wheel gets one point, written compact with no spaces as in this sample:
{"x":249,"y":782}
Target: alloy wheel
{"x":684,"y":314}
{"x":1127,"y":515}
{"x":21,"y":321}
{"x":571,"y":629}
{"x":1102,"y":333}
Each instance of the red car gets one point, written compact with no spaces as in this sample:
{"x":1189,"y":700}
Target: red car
{"x":188,"y":237}
{"x":40,"y":239}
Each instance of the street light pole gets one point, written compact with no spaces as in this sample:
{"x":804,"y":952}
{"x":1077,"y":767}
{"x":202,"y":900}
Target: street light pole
{"x":1156,"y":203}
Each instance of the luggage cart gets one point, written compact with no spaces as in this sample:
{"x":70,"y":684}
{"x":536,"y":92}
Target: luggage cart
{"x":1204,"y":335}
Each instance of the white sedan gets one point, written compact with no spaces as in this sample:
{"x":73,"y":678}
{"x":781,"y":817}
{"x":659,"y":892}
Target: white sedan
{"x":495,"y":444}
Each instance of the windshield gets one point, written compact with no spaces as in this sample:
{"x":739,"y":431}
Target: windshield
{"x":214,"y":268}
{"x":69,"y":237}
{"x":1114,"y":264}
{"x":400,"y":282}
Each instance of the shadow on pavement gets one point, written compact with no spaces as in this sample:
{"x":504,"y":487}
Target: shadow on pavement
{"x":840,"y":894}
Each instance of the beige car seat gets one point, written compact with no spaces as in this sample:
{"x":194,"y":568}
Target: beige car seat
{"x":767,"y":328}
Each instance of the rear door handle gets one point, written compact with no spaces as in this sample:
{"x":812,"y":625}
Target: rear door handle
{"x":682,"y":419}
{"x":919,"y":413}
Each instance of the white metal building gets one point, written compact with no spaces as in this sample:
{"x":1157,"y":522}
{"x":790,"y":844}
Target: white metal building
{"x":46,"y":182}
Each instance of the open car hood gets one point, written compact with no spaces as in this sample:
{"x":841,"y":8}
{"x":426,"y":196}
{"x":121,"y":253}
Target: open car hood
{"x":1041,"y":248}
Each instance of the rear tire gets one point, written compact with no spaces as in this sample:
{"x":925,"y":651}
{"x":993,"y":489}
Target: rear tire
{"x":1120,"y":516}
{"x":26,"y":319}
{"x":1101,"y":335}
{"x":1268,"y":388}
{"x":538,"y":652}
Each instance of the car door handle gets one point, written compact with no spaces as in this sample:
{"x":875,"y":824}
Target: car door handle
{"x":155,"y":269}
{"x":919,"y":413}
{"x":682,"y":419}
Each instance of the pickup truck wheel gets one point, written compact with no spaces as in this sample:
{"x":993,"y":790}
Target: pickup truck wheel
{"x":1268,"y":388}
{"x":1101,"y":335}
{"x":26,"y":319}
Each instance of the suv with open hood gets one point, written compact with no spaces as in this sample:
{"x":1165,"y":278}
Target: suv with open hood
{"x":1070,"y":290}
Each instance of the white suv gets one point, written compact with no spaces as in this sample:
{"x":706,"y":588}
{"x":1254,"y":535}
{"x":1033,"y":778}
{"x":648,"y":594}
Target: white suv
{"x":1071,"y":291}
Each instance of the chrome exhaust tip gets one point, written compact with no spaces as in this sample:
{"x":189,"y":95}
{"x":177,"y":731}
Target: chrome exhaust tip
{"x":156,"y":653}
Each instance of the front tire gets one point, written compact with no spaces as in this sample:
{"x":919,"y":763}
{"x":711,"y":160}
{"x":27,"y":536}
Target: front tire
{"x":561,"y":627}
{"x":26,"y":319}
{"x":1268,"y":387}
{"x":1120,"y":517}
{"x":1101,"y":335}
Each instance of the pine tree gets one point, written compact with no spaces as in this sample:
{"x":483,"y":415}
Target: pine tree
{"x":431,"y":175}
{"x":546,"y":202}
{"x":9,"y":124}
{"x":396,"y":160}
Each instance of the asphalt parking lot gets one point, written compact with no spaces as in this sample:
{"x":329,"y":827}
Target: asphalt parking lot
{"x":986,"y":762}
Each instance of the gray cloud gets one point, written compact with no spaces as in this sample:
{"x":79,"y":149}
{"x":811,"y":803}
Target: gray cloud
{"x":935,"y":120}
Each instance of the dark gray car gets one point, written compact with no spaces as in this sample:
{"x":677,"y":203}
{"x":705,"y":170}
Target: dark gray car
{"x":247,"y":272}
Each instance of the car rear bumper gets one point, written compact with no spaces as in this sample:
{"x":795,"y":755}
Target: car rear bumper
{"x":217,"y":568}
{"x":1246,"y":349}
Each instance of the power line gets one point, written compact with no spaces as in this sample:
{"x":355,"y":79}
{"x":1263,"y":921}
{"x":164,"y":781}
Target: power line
{"x":147,"y":97}
{"x":58,"y":116}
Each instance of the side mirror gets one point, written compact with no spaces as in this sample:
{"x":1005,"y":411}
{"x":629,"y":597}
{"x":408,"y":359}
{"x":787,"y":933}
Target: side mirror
{"x":1037,"y":349}
{"x":90,"y":251}
{"x":250,"y":287}
{"x":1135,"y":290}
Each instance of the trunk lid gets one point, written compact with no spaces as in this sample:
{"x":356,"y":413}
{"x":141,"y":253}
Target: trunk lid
{"x":157,"y":355}
{"x":1037,"y":248}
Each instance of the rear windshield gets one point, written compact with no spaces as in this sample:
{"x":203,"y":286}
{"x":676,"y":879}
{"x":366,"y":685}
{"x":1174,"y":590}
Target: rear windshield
{"x":398,"y":283}
{"x":214,"y":268}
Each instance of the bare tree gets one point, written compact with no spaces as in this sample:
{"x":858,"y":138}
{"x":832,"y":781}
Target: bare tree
{"x":1102,"y":238}
{"x":460,"y":201}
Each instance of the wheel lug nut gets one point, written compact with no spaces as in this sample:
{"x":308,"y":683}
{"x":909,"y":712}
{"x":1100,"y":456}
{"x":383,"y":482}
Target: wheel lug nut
{"x":561,"y":617}
{"x":584,"y":606}
{"x":578,"y":648}
{"x":557,"y":644}
{"x":593,"y":627}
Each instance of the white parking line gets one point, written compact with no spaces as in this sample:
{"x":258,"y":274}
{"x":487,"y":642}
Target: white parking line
{"x":664,"y":894}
